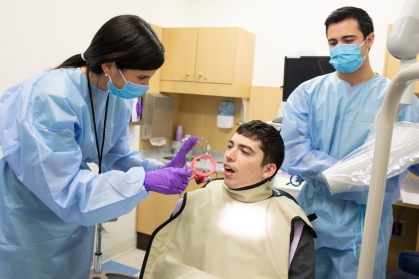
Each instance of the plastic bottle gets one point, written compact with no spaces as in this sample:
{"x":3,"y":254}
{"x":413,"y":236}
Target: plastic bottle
{"x":179,"y":133}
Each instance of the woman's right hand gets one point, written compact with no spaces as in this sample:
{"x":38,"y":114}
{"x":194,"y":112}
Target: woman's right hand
{"x":168,"y":181}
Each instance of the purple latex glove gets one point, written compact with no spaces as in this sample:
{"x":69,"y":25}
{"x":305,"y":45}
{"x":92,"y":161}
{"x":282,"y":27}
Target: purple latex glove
{"x":168,"y":181}
{"x":179,"y":161}
{"x":138,"y":108}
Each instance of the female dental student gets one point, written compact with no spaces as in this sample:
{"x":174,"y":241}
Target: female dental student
{"x":56,"y":122}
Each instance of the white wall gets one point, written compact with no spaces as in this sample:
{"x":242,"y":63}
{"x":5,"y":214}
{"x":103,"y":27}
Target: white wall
{"x":286,"y":27}
{"x":39,"y":35}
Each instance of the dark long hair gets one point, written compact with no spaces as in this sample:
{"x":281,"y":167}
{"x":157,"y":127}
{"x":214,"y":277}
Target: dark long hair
{"x":127,"y":40}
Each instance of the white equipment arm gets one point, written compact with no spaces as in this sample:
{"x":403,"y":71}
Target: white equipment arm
{"x":403,"y":44}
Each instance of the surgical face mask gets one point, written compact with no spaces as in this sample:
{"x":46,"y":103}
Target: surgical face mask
{"x":346,"y":58}
{"x":129,"y":90}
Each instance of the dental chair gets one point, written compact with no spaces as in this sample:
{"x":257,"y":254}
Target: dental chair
{"x":408,"y":264}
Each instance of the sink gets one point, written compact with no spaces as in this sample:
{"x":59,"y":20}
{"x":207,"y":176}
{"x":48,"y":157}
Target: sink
{"x":188,"y":158}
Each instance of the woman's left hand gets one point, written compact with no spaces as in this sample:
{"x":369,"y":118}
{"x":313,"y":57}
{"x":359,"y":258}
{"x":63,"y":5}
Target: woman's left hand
{"x":179,"y":160}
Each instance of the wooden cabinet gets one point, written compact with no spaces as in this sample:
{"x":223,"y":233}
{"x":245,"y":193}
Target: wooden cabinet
{"x":410,"y":214}
{"x":392,"y":65}
{"x":155,"y":80}
{"x":208,"y":61}
{"x":180,"y":49}
{"x":154,"y":211}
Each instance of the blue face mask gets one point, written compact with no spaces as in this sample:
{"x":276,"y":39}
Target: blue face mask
{"x":346,"y":58}
{"x":129,"y":90}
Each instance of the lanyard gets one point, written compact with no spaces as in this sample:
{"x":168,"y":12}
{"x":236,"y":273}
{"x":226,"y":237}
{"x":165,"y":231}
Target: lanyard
{"x":99,"y":153}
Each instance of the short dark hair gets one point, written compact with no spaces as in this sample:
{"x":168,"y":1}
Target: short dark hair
{"x":365,"y":24}
{"x":271,"y":142}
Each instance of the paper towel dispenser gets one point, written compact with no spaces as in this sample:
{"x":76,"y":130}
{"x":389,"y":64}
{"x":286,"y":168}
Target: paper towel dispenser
{"x":157,"y":118}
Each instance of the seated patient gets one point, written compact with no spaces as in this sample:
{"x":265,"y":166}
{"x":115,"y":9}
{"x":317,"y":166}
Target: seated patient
{"x":236,"y":227}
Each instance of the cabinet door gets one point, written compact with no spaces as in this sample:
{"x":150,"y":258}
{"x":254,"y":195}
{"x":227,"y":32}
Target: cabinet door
{"x":215,"y":55}
{"x":180,"y":50}
{"x":155,"y":80}
{"x":154,"y":211}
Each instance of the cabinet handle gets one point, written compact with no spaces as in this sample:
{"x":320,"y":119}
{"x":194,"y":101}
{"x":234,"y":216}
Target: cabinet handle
{"x":200,"y":75}
{"x":187,"y":74}
{"x":206,"y":78}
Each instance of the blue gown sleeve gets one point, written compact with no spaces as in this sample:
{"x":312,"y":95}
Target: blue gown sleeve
{"x":300,"y":157}
{"x":51,"y":161}
{"x":122,"y":158}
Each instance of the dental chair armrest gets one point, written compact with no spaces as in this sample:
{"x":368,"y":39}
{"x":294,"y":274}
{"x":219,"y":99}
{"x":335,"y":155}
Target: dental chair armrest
{"x":409,"y":262}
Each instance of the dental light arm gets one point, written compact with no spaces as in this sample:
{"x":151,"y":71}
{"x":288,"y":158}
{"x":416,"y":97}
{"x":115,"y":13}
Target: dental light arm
{"x":403,"y":43}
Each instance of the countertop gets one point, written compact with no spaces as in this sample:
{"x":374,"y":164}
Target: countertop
{"x":159,"y":154}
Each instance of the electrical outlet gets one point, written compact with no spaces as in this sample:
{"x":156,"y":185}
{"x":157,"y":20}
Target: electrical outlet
{"x":399,"y":229}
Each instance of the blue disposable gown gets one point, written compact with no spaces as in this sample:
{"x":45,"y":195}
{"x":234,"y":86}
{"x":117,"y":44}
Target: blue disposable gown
{"x":49,"y":198}
{"x":324,"y":120}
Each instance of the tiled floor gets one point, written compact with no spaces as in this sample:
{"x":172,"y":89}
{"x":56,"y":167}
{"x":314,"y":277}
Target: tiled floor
{"x":129,"y":263}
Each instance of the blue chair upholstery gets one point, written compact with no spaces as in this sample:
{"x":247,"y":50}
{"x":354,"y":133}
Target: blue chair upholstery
{"x":409,"y":262}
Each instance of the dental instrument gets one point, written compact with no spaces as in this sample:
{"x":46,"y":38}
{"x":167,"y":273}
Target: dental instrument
{"x":202,"y":176}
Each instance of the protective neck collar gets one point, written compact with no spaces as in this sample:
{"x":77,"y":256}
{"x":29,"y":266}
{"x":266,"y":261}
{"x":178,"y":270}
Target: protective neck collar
{"x":254,"y":193}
